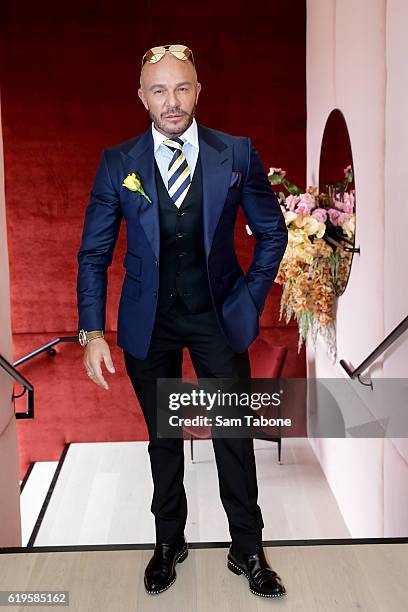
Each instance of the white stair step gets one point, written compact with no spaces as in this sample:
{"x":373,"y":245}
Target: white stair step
{"x":33,"y":495}
{"x":104,"y":489}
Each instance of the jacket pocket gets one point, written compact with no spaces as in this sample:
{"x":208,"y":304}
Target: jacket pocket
{"x":240,"y":314}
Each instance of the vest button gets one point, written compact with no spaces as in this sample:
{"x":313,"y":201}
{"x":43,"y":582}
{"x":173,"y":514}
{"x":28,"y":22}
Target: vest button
{"x":180,"y":214}
{"x":180,"y":235}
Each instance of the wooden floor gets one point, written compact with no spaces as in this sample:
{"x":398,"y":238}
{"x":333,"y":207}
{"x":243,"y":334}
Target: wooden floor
{"x":369,"y":577}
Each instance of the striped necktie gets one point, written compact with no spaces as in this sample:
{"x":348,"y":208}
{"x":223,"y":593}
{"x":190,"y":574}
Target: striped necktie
{"x":179,"y":178}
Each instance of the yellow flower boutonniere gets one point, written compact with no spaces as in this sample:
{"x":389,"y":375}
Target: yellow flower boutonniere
{"x":133,"y":183}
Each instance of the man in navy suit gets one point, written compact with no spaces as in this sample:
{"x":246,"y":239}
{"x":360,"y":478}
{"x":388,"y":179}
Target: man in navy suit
{"x":178,"y":187}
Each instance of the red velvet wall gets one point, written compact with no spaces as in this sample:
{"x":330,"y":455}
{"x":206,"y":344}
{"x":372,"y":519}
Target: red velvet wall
{"x":69,"y":82}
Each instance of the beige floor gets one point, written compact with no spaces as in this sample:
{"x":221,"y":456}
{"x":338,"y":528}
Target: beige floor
{"x":370,"y":577}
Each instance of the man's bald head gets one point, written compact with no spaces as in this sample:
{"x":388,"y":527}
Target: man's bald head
{"x":149,"y":69}
{"x":169,"y":91}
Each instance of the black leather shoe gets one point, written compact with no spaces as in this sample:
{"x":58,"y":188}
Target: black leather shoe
{"x":160,"y":572}
{"x":262,"y":579}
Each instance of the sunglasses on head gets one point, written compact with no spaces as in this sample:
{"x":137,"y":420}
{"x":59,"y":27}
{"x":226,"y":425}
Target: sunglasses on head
{"x":155,"y":54}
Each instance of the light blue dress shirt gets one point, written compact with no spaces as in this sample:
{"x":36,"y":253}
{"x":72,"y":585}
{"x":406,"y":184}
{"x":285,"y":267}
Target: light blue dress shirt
{"x":163,"y":154}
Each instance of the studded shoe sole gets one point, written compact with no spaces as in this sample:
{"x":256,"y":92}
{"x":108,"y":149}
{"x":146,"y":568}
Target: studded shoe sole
{"x":238,"y":570}
{"x":179,"y":558}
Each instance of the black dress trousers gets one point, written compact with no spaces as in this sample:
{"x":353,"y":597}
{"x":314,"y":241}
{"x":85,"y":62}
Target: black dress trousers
{"x":212,"y":358}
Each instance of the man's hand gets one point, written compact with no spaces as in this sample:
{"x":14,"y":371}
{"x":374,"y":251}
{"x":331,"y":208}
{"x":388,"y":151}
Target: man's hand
{"x":96,"y":351}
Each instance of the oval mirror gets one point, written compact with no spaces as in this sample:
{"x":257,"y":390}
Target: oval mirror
{"x":337,"y":196}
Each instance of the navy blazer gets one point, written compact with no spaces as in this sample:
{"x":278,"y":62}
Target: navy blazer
{"x":233,"y":174}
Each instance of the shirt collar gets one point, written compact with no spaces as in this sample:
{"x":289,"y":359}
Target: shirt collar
{"x":190,"y":136}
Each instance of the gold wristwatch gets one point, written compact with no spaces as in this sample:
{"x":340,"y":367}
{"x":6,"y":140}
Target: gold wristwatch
{"x":85,"y":336}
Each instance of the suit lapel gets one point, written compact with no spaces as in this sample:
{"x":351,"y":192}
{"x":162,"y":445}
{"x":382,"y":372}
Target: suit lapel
{"x":142,"y":161}
{"x":216,"y":163}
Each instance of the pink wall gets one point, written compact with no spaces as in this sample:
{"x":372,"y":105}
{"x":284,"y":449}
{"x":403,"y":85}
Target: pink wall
{"x":356,"y":61}
{"x":10,"y":530}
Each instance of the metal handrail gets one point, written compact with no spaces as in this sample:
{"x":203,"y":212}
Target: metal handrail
{"x":28,"y":388}
{"x":336,"y":243}
{"x":383,"y":346}
{"x":46,"y":347}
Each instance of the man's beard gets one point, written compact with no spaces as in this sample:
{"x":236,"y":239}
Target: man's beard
{"x":159,"y":122}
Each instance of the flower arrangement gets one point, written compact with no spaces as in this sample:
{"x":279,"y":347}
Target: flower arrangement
{"x":315,"y":266}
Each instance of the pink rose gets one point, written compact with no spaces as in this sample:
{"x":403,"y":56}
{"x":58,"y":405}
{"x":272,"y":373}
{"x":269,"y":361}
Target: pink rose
{"x":348,"y":207}
{"x":292,"y":201}
{"x":278,"y":171}
{"x":346,"y":204}
{"x":320,"y":214}
{"x":306,"y":204}
{"x":334,"y":215}
{"x":343,"y":218}
{"x":303,"y":208}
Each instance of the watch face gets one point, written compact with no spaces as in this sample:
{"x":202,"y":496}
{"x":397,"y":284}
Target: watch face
{"x":82,"y":337}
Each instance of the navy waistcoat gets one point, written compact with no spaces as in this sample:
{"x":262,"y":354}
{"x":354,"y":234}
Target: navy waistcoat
{"x":183,"y":268}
